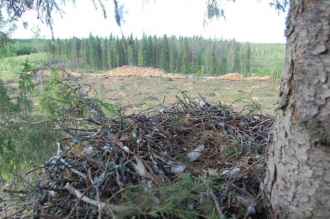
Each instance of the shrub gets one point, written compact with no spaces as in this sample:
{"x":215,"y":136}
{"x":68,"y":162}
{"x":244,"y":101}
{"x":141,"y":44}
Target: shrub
{"x":25,"y":135}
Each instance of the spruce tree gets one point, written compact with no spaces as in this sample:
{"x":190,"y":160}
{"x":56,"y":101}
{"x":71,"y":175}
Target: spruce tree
{"x":164,"y":54}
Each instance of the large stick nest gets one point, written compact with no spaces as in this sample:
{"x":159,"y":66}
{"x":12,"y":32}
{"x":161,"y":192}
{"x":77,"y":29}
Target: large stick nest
{"x":190,"y":160}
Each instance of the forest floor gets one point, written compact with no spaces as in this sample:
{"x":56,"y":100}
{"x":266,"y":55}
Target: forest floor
{"x":138,"y":93}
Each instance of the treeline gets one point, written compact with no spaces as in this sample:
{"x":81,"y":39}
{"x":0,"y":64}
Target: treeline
{"x":17,"y":47}
{"x":173,"y":54}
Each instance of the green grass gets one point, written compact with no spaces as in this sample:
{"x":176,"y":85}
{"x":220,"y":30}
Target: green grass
{"x":10,"y":66}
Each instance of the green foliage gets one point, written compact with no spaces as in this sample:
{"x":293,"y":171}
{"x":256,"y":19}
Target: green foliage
{"x":23,"y":102}
{"x":28,"y":119}
{"x":6,"y":27}
{"x":25,"y":87}
{"x":183,"y":54}
{"x":24,"y":135}
{"x":58,"y":97}
{"x":25,"y":144}
{"x":179,"y":199}
{"x":267,"y":58}
{"x":25,"y":50}
{"x":63,"y":97}
{"x":10,"y":67}
{"x":215,"y":9}
{"x":280,"y":5}
{"x":22,"y":47}
{"x":7,"y":106}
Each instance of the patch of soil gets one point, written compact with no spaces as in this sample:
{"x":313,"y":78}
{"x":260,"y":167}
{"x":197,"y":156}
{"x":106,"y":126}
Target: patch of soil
{"x":127,"y":71}
{"x":130,"y":71}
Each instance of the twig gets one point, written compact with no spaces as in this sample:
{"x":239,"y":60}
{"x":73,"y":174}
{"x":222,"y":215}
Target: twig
{"x":9,"y":191}
{"x":221,"y":215}
{"x":35,"y":169}
{"x":107,"y":207}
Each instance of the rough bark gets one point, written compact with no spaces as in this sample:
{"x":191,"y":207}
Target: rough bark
{"x":298,"y":173}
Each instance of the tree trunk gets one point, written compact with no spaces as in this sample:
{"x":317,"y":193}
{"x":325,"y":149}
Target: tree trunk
{"x":298,"y":173}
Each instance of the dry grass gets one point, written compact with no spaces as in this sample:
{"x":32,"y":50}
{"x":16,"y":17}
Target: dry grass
{"x":137,"y":89}
{"x":135,"y":93}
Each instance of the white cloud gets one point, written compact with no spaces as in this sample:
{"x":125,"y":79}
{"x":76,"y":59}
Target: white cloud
{"x":246,"y":20}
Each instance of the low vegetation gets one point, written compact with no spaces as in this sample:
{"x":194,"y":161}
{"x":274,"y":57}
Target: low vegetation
{"x":29,"y":113}
{"x":25,"y":137}
{"x":22,"y":47}
{"x":11,"y":66}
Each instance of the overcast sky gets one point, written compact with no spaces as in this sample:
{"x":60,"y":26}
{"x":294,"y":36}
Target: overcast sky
{"x":246,"y":20}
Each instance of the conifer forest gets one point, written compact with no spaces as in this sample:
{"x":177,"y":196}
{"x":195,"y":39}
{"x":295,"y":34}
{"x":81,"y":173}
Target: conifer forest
{"x":189,"y":55}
